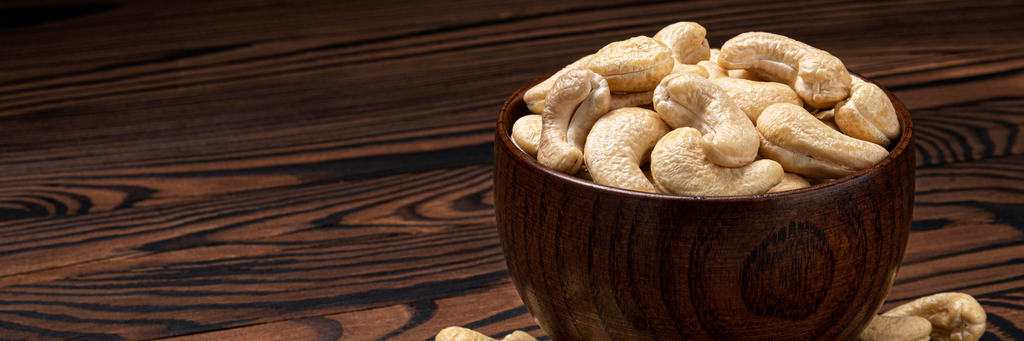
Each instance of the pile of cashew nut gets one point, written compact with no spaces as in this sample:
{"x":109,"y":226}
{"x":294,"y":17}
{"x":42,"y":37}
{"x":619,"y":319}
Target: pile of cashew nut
{"x":670,"y":115}
{"x":949,"y":316}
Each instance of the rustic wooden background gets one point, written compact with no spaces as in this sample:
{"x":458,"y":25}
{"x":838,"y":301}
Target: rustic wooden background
{"x":321,"y":170}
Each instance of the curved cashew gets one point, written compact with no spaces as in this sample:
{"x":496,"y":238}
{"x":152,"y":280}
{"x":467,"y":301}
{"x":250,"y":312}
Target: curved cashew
{"x":819,"y":78}
{"x":954,"y":316}
{"x":633,"y":65}
{"x":577,"y":99}
{"x":790,"y":182}
{"x":686,"y":40}
{"x":679,"y":167}
{"x":618,"y":142}
{"x":526,"y":133}
{"x":868,"y":114}
{"x":689,"y":100}
{"x":806,"y":146}
{"x":751,"y":96}
{"x":534,"y":97}
{"x":896,"y":328}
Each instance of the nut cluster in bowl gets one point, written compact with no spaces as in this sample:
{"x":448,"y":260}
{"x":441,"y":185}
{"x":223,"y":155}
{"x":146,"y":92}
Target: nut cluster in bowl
{"x":670,"y":115}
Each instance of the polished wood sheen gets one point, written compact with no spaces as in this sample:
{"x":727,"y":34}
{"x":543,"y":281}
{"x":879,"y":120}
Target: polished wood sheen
{"x":596,"y":263}
{"x":323,"y":170}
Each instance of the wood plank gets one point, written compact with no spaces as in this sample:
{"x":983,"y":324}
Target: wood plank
{"x":974,"y":131}
{"x":968,"y":132}
{"x":968,"y":236}
{"x":136,"y":32}
{"x":218,"y":161}
{"x":955,"y":200}
{"x":435,"y":239}
{"x":495,"y":311}
{"x":378,"y":244}
{"x":194,"y":296}
{"x":147,"y":121}
{"x":396,"y":239}
{"x":400,"y":203}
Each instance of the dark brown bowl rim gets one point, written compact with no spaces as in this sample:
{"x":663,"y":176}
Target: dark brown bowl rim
{"x":906,"y":131}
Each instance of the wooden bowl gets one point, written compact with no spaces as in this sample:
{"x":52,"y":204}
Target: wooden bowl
{"x":598,"y":263}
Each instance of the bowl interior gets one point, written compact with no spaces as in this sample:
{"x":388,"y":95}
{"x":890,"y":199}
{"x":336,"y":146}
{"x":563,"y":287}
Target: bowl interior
{"x":515,"y":108}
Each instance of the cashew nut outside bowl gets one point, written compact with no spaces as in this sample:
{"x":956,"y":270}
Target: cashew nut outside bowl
{"x":897,"y":328}
{"x":466,"y":334}
{"x":954,"y":316}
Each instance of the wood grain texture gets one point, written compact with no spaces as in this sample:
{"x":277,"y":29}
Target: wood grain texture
{"x":406,"y":245}
{"x":940,"y":256}
{"x":411,"y":321}
{"x":236,"y":92}
{"x":270,"y":170}
{"x":975,"y":131}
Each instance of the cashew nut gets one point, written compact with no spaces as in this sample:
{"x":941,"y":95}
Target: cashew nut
{"x":868,"y":114}
{"x":819,"y":78}
{"x":751,"y":96}
{"x":633,"y":65}
{"x":689,"y":100}
{"x":896,"y":328}
{"x":526,"y":133}
{"x":576,"y":100}
{"x":465,"y":334}
{"x":954,"y":316}
{"x":534,"y":97}
{"x":806,"y":146}
{"x":618,"y":142}
{"x":679,"y":167}
{"x":790,"y":182}
{"x":686,"y":40}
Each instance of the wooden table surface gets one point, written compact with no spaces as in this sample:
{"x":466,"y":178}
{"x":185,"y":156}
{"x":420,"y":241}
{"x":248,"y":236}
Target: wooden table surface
{"x":321,"y":170}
